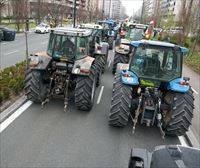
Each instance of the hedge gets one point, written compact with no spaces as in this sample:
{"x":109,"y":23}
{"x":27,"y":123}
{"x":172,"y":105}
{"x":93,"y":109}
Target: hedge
{"x":12,"y":81}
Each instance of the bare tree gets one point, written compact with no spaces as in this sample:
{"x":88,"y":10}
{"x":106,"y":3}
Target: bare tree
{"x":56,"y":10}
{"x":19,"y":12}
{"x":2,"y":5}
{"x":185,"y":17}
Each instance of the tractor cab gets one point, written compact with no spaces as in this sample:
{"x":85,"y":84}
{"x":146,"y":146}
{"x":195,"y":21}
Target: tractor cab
{"x":70,"y":44}
{"x":133,"y":31}
{"x":157,"y":61}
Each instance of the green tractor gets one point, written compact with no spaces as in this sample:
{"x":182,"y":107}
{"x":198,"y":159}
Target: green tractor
{"x":66,"y":70}
{"x":132,"y":32}
{"x":151,"y":89}
{"x":98,"y":48}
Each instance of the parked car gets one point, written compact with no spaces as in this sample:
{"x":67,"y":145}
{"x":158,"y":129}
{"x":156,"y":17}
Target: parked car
{"x":8,"y":34}
{"x":1,"y":35}
{"x":42,"y":28}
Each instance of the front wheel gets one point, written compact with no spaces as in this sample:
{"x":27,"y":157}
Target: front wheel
{"x":120,"y":103}
{"x":178,"y":119}
{"x":85,"y":90}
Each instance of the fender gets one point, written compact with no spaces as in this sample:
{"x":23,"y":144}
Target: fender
{"x":103,"y":49}
{"x":122,"y":49}
{"x":175,"y":85}
{"x":129,"y":78}
{"x":83,"y":66}
{"x":39,"y":62}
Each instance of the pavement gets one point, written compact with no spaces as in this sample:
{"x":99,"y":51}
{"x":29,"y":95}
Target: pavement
{"x":50,"y":137}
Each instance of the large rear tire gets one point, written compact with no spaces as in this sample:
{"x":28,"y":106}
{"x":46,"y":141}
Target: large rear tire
{"x":35,"y":88}
{"x":119,"y":58}
{"x":110,"y":42}
{"x":178,"y":120}
{"x":120,"y":103}
{"x":85,"y":90}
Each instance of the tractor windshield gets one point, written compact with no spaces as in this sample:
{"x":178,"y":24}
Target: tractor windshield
{"x":71,"y":47}
{"x":157,"y":63}
{"x":135,"y":34}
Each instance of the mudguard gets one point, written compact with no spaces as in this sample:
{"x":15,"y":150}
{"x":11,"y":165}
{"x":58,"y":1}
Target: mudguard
{"x":140,"y":158}
{"x":175,"y":85}
{"x":39,"y":62}
{"x":122,"y":49}
{"x":132,"y":79}
{"x":121,"y":67}
{"x":83,"y":66}
{"x":104,"y":47}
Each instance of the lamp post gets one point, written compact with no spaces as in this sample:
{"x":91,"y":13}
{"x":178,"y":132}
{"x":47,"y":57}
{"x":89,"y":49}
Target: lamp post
{"x":74,"y":19}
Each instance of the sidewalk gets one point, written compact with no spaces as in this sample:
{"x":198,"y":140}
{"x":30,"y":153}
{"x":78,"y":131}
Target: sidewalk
{"x":195,"y":83}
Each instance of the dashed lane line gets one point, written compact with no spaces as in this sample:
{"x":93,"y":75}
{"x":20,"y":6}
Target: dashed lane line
{"x":109,"y":63}
{"x":194,"y":91}
{"x":11,"y":52}
{"x":100,"y":95}
{"x":16,"y":114}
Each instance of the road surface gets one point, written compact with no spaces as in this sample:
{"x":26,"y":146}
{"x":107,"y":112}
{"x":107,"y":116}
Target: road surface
{"x":15,"y":51}
{"x":50,"y":137}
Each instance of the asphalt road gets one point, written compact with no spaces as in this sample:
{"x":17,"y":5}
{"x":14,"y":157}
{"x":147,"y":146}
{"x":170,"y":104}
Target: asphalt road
{"x":50,"y":137}
{"x":15,"y":51}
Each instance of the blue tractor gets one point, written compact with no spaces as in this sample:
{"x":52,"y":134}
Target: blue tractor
{"x":151,"y":89}
{"x":110,"y":31}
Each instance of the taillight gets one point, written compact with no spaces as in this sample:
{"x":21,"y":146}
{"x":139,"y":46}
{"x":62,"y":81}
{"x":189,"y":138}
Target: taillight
{"x":126,"y":75}
{"x":84,"y":70}
{"x":184,"y":83}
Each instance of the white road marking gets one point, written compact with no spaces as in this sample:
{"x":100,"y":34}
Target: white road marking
{"x":100,"y":94}
{"x":3,"y":43}
{"x":11,"y":52}
{"x":109,"y":63}
{"x":194,"y":91}
{"x":16,"y":114}
{"x":182,"y":141}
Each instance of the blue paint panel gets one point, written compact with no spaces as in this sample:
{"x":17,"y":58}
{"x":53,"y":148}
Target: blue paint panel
{"x":175,"y":86}
{"x":158,"y":43}
{"x":184,"y":50}
{"x":133,"y":80}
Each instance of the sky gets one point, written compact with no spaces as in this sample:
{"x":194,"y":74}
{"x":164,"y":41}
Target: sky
{"x":132,"y":6}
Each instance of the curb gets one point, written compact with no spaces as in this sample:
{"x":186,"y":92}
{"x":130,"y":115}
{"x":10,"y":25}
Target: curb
{"x":11,"y":109}
{"x":193,"y":141}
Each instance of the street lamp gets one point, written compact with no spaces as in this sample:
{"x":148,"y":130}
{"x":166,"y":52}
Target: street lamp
{"x":74,"y":19}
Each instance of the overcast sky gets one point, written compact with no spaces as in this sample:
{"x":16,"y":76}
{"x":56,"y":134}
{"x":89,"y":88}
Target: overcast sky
{"x":132,"y":6}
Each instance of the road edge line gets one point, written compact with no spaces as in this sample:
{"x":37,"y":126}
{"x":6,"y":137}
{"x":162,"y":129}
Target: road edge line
{"x":15,"y":115}
{"x":192,"y":139}
{"x":12,"y":108}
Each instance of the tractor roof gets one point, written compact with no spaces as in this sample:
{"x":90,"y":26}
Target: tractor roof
{"x":91,"y":26}
{"x":159,"y":43}
{"x":138,"y":25}
{"x":72,"y":31}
